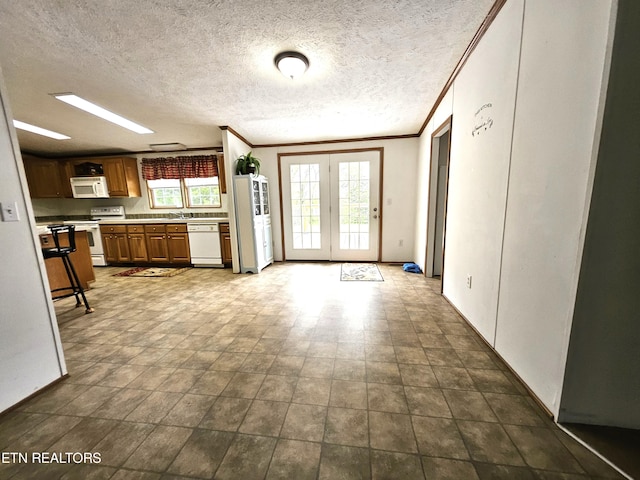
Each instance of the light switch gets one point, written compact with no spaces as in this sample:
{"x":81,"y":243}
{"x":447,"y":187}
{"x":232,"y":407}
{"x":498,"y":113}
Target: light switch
{"x":9,"y":212}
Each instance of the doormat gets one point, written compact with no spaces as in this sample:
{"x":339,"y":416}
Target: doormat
{"x":360,"y":272}
{"x":151,"y":272}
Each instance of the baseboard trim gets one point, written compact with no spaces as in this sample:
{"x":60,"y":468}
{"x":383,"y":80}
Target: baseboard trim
{"x":34,"y":394}
{"x":515,"y":374}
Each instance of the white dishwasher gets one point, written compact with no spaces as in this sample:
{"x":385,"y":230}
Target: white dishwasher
{"x":204,"y":243}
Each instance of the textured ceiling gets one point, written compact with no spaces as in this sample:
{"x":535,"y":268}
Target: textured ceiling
{"x":184,"y":67}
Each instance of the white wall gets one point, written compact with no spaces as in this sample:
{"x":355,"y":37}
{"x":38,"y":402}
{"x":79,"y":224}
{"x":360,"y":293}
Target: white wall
{"x":483,"y":109}
{"x":233,"y":147}
{"x":518,"y":191}
{"x":398,"y":194}
{"x":30,"y":348}
{"x":561,"y":73}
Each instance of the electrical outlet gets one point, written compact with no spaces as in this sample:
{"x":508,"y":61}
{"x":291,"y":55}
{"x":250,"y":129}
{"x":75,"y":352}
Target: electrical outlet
{"x":9,"y":212}
{"x":468,"y":281}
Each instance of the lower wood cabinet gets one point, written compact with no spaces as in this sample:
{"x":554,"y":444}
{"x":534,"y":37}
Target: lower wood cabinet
{"x":156,"y":243}
{"x":137,"y":243}
{"x":115,"y":243}
{"x":149,"y":243}
{"x":178,"y":243}
{"x":225,"y":243}
{"x":81,"y":260}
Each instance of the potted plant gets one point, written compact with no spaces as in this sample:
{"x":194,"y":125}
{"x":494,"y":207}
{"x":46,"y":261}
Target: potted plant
{"x":247,"y":164}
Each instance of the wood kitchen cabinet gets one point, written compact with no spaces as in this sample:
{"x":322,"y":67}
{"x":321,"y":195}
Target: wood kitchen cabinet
{"x":81,"y":258}
{"x":115,"y":243}
{"x":66,"y":172}
{"x":157,"y":248}
{"x":137,"y":243}
{"x":122,"y":176}
{"x":145,"y":244}
{"x":49,"y":178}
{"x":44,"y":177}
{"x":225,"y":243}
{"x":178,"y":243}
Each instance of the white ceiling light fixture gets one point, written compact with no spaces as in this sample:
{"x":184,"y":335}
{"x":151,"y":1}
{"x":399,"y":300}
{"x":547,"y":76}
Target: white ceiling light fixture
{"x":40,"y":131}
{"x":292,"y":64}
{"x":103,"y":113}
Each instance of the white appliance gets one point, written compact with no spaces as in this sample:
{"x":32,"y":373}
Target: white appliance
{"x":253,"y":221}
{"x":204,"y":244}
{"x":89,"y":187}
{"x":93,"y":230}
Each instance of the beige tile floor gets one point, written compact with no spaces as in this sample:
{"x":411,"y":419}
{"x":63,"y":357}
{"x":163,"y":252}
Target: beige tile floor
{"x":289,"y":374}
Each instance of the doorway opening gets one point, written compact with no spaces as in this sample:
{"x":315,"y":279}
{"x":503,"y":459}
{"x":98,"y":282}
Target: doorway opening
{"x":437,"y":208}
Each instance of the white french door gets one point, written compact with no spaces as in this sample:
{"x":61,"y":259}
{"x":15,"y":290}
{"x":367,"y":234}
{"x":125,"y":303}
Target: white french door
{"x":331,"y":207}
{"x":306,"y":207}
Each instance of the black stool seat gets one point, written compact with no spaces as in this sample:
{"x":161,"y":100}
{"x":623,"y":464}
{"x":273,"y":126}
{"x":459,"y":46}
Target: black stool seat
{"x":63,"y":251}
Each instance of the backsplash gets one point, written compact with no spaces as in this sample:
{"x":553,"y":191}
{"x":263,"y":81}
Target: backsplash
{"x":187,"y":215}
{"x":133,"y":216}
{"x":60,"y":209}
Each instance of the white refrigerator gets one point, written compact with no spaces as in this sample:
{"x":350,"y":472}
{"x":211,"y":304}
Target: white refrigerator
{"x":253,"y":222}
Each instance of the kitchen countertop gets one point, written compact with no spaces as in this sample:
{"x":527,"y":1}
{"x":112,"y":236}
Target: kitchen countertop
{"x":44,"y":229}
{"x":137,"y":221}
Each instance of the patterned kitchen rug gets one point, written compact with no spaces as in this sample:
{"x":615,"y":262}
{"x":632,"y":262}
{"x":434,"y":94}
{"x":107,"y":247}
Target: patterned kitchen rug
{"x":360,"y":272}
{"x":151,"y":272}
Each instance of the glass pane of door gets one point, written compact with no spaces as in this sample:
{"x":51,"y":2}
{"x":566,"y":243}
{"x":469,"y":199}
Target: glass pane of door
{"x":305,"y":206}
{"x":354,"y":205}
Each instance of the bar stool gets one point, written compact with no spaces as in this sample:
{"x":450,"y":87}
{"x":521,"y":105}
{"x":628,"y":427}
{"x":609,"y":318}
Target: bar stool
{"x":63,"y":251}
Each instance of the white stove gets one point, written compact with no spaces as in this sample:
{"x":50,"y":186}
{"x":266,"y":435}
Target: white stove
{"x":93,"y":230}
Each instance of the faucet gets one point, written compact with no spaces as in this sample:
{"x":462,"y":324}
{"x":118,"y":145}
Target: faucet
{"x":179,"y":215}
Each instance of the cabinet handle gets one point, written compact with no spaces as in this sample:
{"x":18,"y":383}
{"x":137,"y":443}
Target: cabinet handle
{"x":168,"y":236}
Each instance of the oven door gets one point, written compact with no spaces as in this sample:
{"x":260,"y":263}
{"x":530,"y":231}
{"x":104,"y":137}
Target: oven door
{"x":95,"y":242}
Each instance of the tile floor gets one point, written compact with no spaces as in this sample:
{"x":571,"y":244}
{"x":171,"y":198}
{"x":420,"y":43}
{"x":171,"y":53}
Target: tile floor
{"x":289,"y":374}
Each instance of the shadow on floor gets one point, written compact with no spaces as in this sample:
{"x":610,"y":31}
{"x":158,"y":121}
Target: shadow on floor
{"x":618,"y":445}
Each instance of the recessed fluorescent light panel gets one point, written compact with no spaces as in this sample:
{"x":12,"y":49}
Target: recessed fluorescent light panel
{"x":167,"y":147}
{"x":94,"y":109}
{"x":39,"y":131}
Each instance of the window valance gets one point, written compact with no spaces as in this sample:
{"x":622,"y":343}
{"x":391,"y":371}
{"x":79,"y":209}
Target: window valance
{"x":197,"y":166}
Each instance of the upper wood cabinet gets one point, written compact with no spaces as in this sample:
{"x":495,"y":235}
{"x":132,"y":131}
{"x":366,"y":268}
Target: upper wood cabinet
{"x":122,"y":176}
{"x":49,"y":178}
{"x":44,"y":177}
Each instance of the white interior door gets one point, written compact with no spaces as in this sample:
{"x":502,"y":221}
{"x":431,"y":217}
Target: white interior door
{"x":331,"y":206}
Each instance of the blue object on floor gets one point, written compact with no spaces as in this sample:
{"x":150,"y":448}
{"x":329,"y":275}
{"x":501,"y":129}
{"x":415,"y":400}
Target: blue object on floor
{"x":411,"y":267}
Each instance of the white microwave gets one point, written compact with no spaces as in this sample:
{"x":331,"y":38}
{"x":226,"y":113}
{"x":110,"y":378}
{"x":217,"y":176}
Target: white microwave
{"x":89,"y":187}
